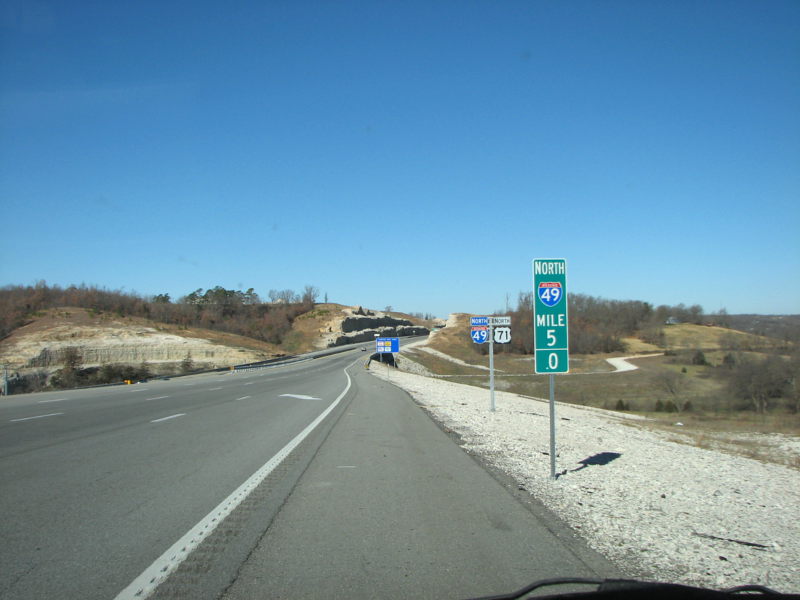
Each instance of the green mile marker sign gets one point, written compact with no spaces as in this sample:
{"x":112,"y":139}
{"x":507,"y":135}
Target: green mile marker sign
{"x":551,"y":338}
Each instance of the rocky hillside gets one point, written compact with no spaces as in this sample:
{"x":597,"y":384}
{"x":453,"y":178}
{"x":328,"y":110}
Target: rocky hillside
{"x":102,"y":338}
{"x":361,"y":325}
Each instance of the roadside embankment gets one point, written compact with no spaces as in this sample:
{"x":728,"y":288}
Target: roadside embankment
{"x":658,"y":508}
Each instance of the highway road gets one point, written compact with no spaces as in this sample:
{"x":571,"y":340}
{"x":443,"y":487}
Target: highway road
{"x":95,"y":484}
{"x":106,"y":491}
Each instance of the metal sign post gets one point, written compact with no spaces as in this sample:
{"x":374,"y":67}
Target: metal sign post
{"x":483,"y":329}
{"x":387,"y":345}
{"x":491,"y":366}
{"x":505,"y":337}
{"x":551,"y":335}
{"x":552,"y":426}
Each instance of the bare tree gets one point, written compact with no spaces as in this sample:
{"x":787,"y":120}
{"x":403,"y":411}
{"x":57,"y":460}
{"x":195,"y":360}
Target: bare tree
{"x":671,"y":382}
{"x":72,"y":358}
{"x":187,"y":364}
{"x":794,"y":374}
{"x":310,"y":294}
{"x":283,"y":297}
{"x":760,"y":381}
{"x":67,"y":376}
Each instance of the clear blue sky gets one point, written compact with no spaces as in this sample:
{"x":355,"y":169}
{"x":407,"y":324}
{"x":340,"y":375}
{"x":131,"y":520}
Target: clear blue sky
{"x":412,"y":154}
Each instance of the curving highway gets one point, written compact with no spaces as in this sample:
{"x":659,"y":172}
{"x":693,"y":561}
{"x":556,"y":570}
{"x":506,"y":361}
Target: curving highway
{"x":312,"y":479}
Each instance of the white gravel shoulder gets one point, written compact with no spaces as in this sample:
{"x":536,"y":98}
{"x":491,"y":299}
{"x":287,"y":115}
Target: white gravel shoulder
{"x":658,"y":509}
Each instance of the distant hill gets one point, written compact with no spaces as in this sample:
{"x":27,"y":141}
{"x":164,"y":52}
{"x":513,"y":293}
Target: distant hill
{"x":455,"y":340}
{"x":781,"y":327}
{"x":688,"y":336}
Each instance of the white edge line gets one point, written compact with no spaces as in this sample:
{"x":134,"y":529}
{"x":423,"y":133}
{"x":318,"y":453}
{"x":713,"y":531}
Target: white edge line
{"x":36,"y":417}
{"x":169,"y":417}
{"x":146,"y":583}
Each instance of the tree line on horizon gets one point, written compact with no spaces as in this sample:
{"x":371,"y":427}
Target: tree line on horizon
{"x":220,"y":309}
{"x":598,"y":325}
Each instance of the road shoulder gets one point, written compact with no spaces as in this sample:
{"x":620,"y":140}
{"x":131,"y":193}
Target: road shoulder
{"x":391,"y":506}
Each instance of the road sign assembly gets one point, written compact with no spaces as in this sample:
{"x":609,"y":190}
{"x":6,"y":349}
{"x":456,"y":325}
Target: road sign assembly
{"x":551,"y":338}
{"x":387,"y":345}
{"x":482,"y":330}
{"x":550,"y":335}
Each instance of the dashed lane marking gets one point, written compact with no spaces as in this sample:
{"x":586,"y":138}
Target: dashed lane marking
{"x":168,"y":418}
{"x":36,"y":417}
{"x":155,"y":574}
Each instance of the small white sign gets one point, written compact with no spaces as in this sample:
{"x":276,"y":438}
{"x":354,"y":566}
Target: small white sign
{"x":500,"y":320}
{"x":502,"y":335}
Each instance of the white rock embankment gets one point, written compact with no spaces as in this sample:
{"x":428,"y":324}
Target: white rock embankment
{"x":658,"y":509}
{"x":107,"y":345}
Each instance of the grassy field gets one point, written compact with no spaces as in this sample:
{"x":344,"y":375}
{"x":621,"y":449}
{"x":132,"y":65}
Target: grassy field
{"x":698,"y":394}
{"x":688,"y":336}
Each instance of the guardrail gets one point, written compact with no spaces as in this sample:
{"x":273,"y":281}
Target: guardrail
{"x":284,"y":360}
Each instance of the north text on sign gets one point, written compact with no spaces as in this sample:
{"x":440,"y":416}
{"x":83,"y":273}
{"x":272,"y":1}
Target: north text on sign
{"x":549,"y":268}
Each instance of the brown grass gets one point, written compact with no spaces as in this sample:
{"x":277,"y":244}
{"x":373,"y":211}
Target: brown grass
{"x":712,"y":409}
{"x":730,"y":433}
{"x":685,"y":336}
{"x":636,"y":346}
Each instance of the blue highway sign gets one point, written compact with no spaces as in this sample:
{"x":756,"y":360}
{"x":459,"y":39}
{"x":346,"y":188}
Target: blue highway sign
{"x":480,"y":335}
{"x":387,"y":345}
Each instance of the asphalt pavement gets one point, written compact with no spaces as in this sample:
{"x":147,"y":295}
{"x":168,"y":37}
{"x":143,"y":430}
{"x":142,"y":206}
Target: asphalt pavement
{"x":362,"y":495}
{"x":392,"y":507}
{"x":96,"y":484}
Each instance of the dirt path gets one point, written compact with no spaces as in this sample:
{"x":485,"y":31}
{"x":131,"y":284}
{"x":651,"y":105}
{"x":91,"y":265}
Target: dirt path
{"x":621,"y":363}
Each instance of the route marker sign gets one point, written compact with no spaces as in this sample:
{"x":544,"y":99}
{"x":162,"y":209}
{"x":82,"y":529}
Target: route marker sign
{"x":480,"y":334}
{"x":551,"y":336}
{"x":485,"y":329}
{"x":387,"y":345}
{"x":502,"y":335}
